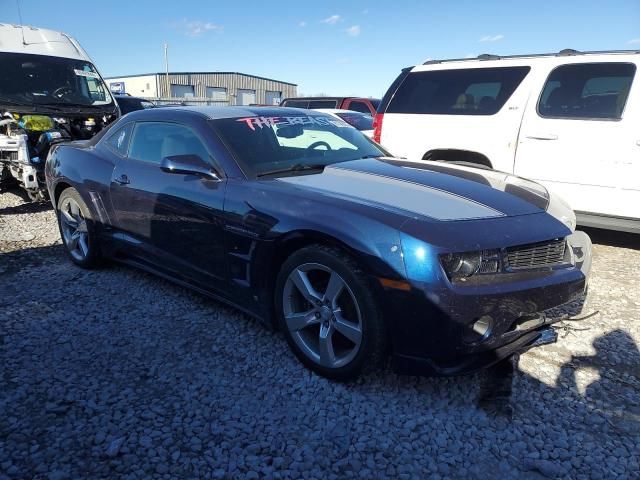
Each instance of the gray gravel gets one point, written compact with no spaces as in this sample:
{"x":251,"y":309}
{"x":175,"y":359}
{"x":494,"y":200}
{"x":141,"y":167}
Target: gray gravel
{"x":114,"y":373}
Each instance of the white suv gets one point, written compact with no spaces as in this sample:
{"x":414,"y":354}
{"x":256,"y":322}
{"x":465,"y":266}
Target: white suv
{"x":569,"y":120}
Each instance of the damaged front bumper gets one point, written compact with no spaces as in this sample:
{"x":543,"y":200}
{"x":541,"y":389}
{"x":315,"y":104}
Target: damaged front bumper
{"x":433,"y":339}
{"x":582,"y":250}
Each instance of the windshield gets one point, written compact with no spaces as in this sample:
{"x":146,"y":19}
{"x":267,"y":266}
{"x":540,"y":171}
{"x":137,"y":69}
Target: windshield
{"x":44,"y":80}
{"x":357,"y":120}
{"x":270,"y":144}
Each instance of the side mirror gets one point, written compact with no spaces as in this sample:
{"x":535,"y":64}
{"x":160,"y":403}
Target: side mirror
{"x":188,"y":165}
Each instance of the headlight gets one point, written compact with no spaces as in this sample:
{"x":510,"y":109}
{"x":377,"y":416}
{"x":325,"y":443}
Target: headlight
{"x":466,"y":264}
{"x":461,"y":264}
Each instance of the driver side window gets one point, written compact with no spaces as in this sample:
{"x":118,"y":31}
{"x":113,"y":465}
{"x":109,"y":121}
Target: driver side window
{"x":153,"y":141}
{"x":118,"y":141}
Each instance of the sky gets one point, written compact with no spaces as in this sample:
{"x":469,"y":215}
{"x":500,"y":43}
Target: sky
{"x":348,"y":47}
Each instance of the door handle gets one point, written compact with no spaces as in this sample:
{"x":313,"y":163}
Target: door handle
{"x":543,"y":136}
{"x":122,"y":180}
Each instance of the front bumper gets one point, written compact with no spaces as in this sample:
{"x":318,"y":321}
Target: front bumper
{"x":409,"y":365}
{"x":430,"y":327}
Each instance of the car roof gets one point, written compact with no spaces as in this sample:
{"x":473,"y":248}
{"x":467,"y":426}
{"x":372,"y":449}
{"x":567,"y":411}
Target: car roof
{"x":39,"y":41}
{"x":330,"y":98}
{"x":563,"y":57}
{"x":216,"y":113}
{"x":126,"y":97}
{"x":336,"y":110}
{"x":315,"y":98}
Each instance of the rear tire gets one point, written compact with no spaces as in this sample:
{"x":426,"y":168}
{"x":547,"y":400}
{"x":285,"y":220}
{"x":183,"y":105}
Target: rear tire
{"x":326,"y":309}
{"x":77,"y":229}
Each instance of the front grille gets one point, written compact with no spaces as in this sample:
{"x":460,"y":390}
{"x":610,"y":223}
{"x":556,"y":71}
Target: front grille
{"x":8,"y":155}
{"x":536,"y":255}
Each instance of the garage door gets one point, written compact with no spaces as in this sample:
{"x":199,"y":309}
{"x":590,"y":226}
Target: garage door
{"x":182,"y":91}
{"x":245,"y":97}
{"x":219,"y":94}
{"x":272,"y":97}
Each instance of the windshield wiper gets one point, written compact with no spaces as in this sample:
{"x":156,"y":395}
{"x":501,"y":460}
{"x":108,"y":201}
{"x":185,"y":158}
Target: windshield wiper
{"x":10,"y":101}
{"x":51,"y":106}
{"x":298,"y":167}
{"x":369,"y":156}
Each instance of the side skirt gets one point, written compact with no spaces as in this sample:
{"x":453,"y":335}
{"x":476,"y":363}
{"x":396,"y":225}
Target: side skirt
{"x":149,"y":269}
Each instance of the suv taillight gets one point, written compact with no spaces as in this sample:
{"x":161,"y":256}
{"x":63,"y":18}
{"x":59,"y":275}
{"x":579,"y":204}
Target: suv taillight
{"x":377,"y":127}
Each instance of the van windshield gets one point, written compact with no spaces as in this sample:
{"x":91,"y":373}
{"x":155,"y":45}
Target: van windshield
{"x":27,"y":79}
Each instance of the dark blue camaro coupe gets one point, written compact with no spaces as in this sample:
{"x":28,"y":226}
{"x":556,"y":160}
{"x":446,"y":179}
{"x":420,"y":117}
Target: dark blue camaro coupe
{"x":301,"y":221}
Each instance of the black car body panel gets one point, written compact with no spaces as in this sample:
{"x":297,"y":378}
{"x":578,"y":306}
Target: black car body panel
{"x":128,"y":104}
{"x":227,"y":237}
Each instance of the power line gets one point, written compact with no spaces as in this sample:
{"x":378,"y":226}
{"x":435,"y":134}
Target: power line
{"x":21,"y":23}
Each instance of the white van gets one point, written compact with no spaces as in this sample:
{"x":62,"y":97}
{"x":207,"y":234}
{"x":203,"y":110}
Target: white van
{"x":50,"y":92}
{"x":570,"y":121}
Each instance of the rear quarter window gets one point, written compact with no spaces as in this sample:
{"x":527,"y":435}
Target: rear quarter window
{"x":469,"y":91}
{"x":587,"y":91}
{"x":118,"y":141}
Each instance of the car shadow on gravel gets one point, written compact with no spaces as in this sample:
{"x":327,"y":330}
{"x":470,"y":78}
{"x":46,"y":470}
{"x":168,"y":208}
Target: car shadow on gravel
{"x":16,"y":261}
{"x":115,"y":372}
{"x":27,"y":206}
{"x":592,"y":428}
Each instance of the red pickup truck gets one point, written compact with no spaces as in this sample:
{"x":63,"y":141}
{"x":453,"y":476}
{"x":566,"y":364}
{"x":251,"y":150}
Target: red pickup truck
{"x":358,"y":104}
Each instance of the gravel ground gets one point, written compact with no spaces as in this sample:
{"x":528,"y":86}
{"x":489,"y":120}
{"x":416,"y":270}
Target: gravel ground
{"x":115,"y":373}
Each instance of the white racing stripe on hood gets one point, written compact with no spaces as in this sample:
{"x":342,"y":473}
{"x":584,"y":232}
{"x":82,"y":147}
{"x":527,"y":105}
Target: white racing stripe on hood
{"x":409,"y":196}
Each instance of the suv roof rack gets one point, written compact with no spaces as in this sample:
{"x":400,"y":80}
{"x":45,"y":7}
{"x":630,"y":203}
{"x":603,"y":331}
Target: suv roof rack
{"x":566,"y":52}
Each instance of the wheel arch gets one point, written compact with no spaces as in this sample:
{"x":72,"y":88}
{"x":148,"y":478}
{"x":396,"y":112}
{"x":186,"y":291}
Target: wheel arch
{"x":298,"y":239}
{"x":295,"y":240}
{"x":60,"y":187}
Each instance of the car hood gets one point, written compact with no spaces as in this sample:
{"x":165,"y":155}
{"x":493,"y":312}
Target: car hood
{"x":433,"y":191}
{"x":59,"y":111}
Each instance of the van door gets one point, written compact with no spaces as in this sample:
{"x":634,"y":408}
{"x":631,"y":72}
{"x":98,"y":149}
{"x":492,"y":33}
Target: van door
{"x":579,"y":138}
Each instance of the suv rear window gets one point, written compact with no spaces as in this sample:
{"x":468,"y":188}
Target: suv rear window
{"x":587,"y":91}
{"x":296,"y":103}
{"x":470,"y":91}
{"x":323,"y":104}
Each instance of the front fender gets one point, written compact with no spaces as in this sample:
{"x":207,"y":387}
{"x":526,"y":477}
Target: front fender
{"x":82,"y":169}
{"x":264,"y":225}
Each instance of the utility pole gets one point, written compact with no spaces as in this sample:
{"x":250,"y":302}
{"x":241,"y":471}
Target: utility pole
{"x":166,"y":66}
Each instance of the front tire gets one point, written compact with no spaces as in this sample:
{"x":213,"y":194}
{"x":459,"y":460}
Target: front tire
{"x":328,"y":314}
{"x":77,"y":229}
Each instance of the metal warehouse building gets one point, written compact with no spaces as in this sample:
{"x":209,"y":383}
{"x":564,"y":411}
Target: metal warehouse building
{"x":228,"y":88}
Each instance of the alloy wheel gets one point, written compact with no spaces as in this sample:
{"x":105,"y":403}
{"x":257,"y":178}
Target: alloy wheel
{"x":74,"y":229}
{"x":322,"y":314}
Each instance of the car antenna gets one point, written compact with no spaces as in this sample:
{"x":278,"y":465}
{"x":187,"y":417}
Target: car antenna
{"x":21,"y":24}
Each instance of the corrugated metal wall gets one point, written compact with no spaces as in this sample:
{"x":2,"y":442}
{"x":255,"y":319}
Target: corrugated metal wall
{"x":232,"y":82}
